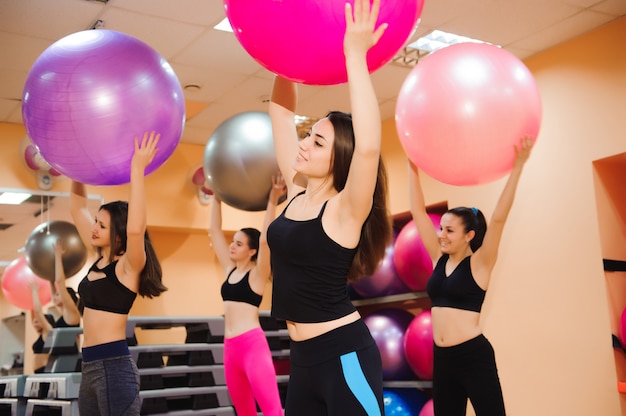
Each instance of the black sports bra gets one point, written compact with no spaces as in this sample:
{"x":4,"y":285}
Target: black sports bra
{"x":240,"y":291}
{"x":459,"y":290}
{"x":107,"y":293}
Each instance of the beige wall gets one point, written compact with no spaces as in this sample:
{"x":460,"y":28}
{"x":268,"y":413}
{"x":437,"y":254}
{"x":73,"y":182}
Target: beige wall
{"x":546,"y":311}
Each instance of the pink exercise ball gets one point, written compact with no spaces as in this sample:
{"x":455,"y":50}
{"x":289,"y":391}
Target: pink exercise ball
{"x":388,"y":326}
{"x":303,"y":40}
{"x":16,"y":285}
{"x":461,"y":111}
{"x":412,"y":261}
{"x":418,"y":345}
{"x":384,"y":281}
{"x":87,"y":97}
{"x":428,"y":409}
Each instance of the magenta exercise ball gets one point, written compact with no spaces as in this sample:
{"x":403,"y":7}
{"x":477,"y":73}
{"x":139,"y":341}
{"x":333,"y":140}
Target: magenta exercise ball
{"x":412,"y":261}
{"x":418,"y":345}
{"x":87,"y":97}
{"x":16,"y":285}
{"x":461,"y":111}
{"x":303,"y":40}
{"x":428,"y":409}
{"x":388,"y":327}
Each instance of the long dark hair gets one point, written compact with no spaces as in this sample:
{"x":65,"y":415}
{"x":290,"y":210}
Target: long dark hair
{"x":150,"y":284}
{"x":473,"y":220}
{"x":376,"y":232}
{"x":253,"y":240}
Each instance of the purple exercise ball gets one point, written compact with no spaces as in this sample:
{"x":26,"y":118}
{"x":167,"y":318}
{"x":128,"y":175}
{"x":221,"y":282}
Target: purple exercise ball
{"x":90,"y":94}
{"x":384,"y":281}
{"x":388,"y":326}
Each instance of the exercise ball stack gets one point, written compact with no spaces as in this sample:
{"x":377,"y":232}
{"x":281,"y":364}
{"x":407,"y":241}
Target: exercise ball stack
{"x":87,"y":97}
{"x":239,"y":160}
{"x":461,"y":111}
{"x":311,"y":34}
{"x":40,"y":245}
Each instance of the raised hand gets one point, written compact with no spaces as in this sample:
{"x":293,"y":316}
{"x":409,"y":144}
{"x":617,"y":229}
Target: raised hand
{"x":361,"y":32}
{"x":145,"y":151}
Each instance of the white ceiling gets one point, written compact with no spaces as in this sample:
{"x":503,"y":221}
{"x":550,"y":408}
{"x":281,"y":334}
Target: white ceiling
{"x":230,"y":80}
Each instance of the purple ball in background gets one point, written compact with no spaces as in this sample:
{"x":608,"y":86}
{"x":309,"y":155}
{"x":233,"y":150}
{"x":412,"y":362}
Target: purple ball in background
{"x":388,"y":327}
{"x":90,"y":94}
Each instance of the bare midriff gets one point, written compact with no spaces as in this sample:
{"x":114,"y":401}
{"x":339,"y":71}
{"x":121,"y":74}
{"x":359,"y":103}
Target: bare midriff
{"x":454,"y":326}
{"x":302,"y":331}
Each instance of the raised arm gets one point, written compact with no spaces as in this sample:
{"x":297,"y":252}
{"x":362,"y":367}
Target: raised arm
{"x":361,"y":34}
{"x":263,"y":258}
{"x":282,"y":112}
{"x":71,"y":315}
{"x":83,"y":219}
{"x":487,"y":254}
{"x":38,"y":310}
{"x":427,"y":232}
{"x":220,"y":245}
{"x":134,"y":259}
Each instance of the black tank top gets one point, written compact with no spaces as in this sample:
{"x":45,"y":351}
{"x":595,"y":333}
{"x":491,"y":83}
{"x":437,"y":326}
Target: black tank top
{"x":107,"y":293}
{"x":459,"y":290}
{"x":240,"y":291}
{"x":310,"y":271}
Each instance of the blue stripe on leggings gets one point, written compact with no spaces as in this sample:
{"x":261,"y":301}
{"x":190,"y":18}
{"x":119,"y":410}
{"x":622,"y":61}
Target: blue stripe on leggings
{"x":353,"y":374}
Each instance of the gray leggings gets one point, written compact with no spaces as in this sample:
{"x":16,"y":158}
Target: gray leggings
{"x":110,"y":387}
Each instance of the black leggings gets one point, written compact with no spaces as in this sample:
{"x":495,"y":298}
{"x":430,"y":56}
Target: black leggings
{"x":467,"y":370}
{"x":338,"y":373}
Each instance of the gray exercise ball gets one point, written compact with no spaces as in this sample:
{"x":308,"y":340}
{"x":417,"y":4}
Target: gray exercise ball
{"x":39,"y":249}
{"x":239,"y":160}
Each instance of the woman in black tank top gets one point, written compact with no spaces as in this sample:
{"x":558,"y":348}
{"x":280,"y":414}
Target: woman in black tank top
{"x":248,"y":366}
{"x":335,"y":229}
{"x":117,"y":238}
{"x":465,"y":253}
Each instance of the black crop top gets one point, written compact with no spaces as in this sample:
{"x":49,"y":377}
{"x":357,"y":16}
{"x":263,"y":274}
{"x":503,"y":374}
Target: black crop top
{"x":240,"y":291}
{"x":106,"y":293}
{"x":310,"y":271}
{"x":459,"y":290}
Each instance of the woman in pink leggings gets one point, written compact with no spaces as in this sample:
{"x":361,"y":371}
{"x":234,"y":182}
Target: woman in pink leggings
{"x":248,"y":365}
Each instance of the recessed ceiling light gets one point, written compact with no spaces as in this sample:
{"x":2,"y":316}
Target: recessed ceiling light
{"x":438,"y":39}
{"x":13,"y":198}
{"x":224,"y":25}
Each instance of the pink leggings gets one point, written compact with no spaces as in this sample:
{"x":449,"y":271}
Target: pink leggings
{"x":250,"y":374}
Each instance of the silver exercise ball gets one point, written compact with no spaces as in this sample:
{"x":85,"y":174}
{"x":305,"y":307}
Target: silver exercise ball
{"x":239,"y":160}
{"x":40,"y":244}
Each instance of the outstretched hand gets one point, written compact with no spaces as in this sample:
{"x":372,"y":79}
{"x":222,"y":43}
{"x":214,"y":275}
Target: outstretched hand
{"x":522,"y":151}
{"x":361,"y":32}
{"x":145,"y":151}
{"x":279,"y":188}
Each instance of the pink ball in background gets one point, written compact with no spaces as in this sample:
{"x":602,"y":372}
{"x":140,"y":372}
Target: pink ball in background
{"x":16,"y":285}
{"x":461,"y":111}
{"x":412,"y":261}
{"x":428,"y":409}
{"x":303,"y":40}
{"x":418,"y":345}
{"x":88,"y":95}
